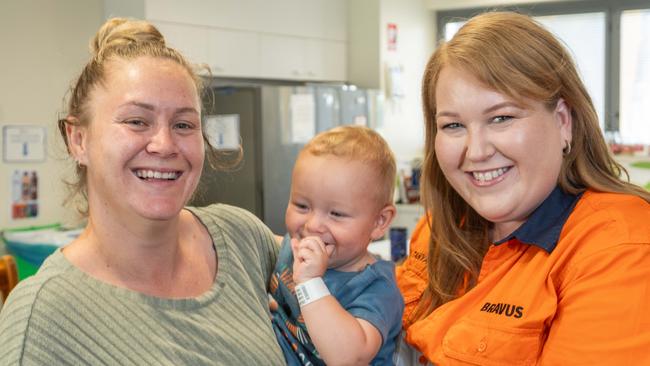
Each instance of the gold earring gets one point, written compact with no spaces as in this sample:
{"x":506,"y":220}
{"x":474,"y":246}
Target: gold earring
{"x":567,"y":148}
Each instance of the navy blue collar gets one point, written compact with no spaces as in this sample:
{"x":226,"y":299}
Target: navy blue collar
{"x":544,"y":225}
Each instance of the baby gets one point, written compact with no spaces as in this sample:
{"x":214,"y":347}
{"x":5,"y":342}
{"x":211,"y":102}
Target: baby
{"x":336,"y":302}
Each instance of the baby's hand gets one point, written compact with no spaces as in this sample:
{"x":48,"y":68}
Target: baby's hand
{"x":310,"y":258}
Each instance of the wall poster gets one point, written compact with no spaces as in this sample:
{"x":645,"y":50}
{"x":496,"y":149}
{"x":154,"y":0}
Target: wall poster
{"x":24,"y":143}
{"x":24,"y":194}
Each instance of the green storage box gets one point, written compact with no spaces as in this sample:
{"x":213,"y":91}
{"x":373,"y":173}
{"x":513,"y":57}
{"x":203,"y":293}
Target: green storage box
{"x":31,"y":245}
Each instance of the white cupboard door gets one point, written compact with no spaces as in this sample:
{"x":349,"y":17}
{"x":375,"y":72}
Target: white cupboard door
{"x":234,"y":53}
{"x":324,"y":60}
{"x":281,"y":57}
{"x":294,"y":58}
{"x":191,"y":41}
{"x":334,"y":61}
{"x":313,"y":61}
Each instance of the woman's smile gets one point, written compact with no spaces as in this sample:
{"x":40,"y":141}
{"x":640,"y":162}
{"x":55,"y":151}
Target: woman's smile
{"x":489,"y":177}
{"x":501,"y":155}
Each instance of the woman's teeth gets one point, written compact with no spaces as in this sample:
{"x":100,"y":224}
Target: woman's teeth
{"x":489,"y":175}
{"x":149,"y":174}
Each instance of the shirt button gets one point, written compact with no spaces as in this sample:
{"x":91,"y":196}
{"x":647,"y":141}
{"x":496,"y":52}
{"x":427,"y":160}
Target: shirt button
{"x":481,"y":347}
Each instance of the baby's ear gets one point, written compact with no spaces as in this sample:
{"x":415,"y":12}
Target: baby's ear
{"x":382,"y":223}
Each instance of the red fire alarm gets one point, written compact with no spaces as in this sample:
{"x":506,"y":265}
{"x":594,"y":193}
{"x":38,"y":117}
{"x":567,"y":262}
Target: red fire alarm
{"x":392,"y":36}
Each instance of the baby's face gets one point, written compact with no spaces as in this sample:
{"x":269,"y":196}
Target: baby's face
{"x":335,"y":199}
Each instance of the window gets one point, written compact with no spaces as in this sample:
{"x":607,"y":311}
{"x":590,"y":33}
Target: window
{"x":610,"y":43}
{"x":634,"y":124}
{"x":584,"y":36}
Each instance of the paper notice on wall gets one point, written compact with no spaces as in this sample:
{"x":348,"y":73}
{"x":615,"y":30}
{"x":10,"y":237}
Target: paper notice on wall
{"x":222,"y":131}
{"x":303,"y":118}
{"x":23,"y":143}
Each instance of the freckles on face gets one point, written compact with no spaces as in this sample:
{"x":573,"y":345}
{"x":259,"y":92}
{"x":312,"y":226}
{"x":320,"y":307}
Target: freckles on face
{"x":144,"y":134}
{"x":140,"y":97}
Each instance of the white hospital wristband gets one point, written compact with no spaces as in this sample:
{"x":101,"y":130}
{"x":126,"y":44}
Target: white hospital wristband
{"x":311,"y":290}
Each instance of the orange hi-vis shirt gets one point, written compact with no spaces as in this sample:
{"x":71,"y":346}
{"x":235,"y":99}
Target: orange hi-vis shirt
{"x":577,"y":294}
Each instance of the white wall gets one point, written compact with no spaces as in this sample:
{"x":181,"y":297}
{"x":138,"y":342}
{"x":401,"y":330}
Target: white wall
{"x":403,"y":120}
{"x":44,"y":45}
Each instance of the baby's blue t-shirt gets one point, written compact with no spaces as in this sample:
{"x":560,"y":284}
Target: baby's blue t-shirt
{"x":371,"y":294}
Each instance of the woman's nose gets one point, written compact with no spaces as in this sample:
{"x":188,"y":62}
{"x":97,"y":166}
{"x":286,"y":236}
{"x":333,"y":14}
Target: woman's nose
{"x":479,"y":146}
{"x":162,"y":142}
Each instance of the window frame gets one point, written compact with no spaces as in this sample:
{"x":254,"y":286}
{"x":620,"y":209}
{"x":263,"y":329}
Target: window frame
{"x":612,"y":9}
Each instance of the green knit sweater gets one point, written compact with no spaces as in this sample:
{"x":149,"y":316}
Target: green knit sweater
{"x":62,"y":316}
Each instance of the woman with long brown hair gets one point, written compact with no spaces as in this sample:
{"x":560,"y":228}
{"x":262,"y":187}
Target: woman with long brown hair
{"x":534,"y":250}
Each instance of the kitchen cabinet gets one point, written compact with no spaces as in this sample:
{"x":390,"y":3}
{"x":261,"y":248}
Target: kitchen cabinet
{"x":256,"y":39}
{"x":295,"y":58}
{"x":227,"y":53}
{"x":246,"y":54}
{"x":234,"y":53}
{"x":191,"y":41}
{"x":282,"y":57}
{"x":327,"y":58}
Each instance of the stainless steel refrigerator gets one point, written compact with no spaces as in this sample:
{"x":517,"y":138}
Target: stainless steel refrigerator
{"x":273,"y":123}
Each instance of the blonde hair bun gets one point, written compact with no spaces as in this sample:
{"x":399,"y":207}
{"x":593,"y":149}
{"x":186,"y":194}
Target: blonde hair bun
{"x":121,"y":33}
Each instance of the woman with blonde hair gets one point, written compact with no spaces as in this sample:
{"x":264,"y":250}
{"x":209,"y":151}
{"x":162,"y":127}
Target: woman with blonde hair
{"x":149,"y":281}
{"x":535,"y":250}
